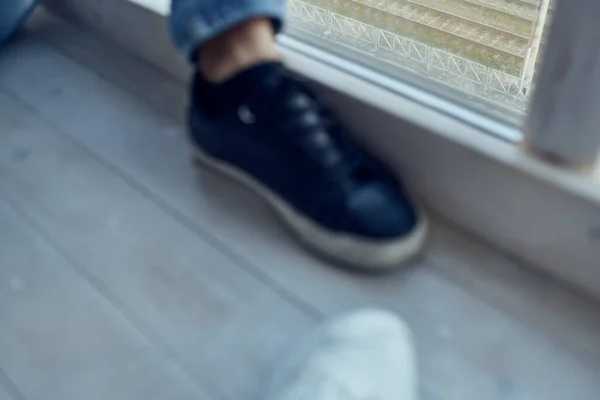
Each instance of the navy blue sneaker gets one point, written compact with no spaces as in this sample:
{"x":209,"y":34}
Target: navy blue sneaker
{"x":266,"y":130}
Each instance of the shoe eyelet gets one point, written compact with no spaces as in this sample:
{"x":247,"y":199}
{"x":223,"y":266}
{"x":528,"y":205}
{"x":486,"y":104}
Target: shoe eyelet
{"x":246,"y":115}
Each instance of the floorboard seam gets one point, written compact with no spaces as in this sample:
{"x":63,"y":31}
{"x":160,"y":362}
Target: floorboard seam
{"x":155,"y":339}
{"x":136,"y":59}
{"x":11,"y":388}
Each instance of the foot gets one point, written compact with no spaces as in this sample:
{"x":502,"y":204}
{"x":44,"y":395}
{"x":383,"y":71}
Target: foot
{"x":266,"y":130}
{"x":362,"y":356}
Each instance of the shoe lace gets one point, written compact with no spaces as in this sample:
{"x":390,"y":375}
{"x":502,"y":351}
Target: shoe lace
{"x":311,"y":124}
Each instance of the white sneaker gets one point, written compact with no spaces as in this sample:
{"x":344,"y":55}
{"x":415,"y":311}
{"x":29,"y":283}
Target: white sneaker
{"x":365,"y":355}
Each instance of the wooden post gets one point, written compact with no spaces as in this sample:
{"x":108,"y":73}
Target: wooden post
{"x":533,"y":50}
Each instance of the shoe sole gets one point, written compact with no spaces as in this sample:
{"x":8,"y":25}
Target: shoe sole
{"x":359,"y":253}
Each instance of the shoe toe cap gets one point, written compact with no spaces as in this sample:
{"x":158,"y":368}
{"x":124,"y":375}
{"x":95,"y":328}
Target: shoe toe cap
{"x":381,"y":212}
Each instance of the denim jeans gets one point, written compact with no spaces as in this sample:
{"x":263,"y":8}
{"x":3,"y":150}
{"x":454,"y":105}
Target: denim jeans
{"x":12,"y":15}
{"x":195,"y":21}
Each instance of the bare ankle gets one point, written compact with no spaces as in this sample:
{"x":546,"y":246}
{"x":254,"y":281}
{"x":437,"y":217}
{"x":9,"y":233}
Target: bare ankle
{"x":247,"y":44}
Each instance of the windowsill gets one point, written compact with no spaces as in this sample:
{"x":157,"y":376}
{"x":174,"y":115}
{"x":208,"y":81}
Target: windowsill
{"x":544,"y":215}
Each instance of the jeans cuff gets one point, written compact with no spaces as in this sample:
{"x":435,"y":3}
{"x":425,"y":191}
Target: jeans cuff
{"x":192,"y":30}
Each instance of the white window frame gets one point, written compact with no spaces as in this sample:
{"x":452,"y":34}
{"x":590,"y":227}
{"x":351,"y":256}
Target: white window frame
{"x":539,"y":212}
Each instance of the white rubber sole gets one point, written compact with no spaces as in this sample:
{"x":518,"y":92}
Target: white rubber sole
{"x":354,"y":251}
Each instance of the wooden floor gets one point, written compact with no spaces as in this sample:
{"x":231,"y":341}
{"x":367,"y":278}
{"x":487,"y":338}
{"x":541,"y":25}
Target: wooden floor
{"x":125,"y":273}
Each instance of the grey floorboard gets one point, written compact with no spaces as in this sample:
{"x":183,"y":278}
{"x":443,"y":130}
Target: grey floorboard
{"x":4,"y":395}
{"x":60,"y":339}
{"x":470,"y":345}
{"x":207,"y":310}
